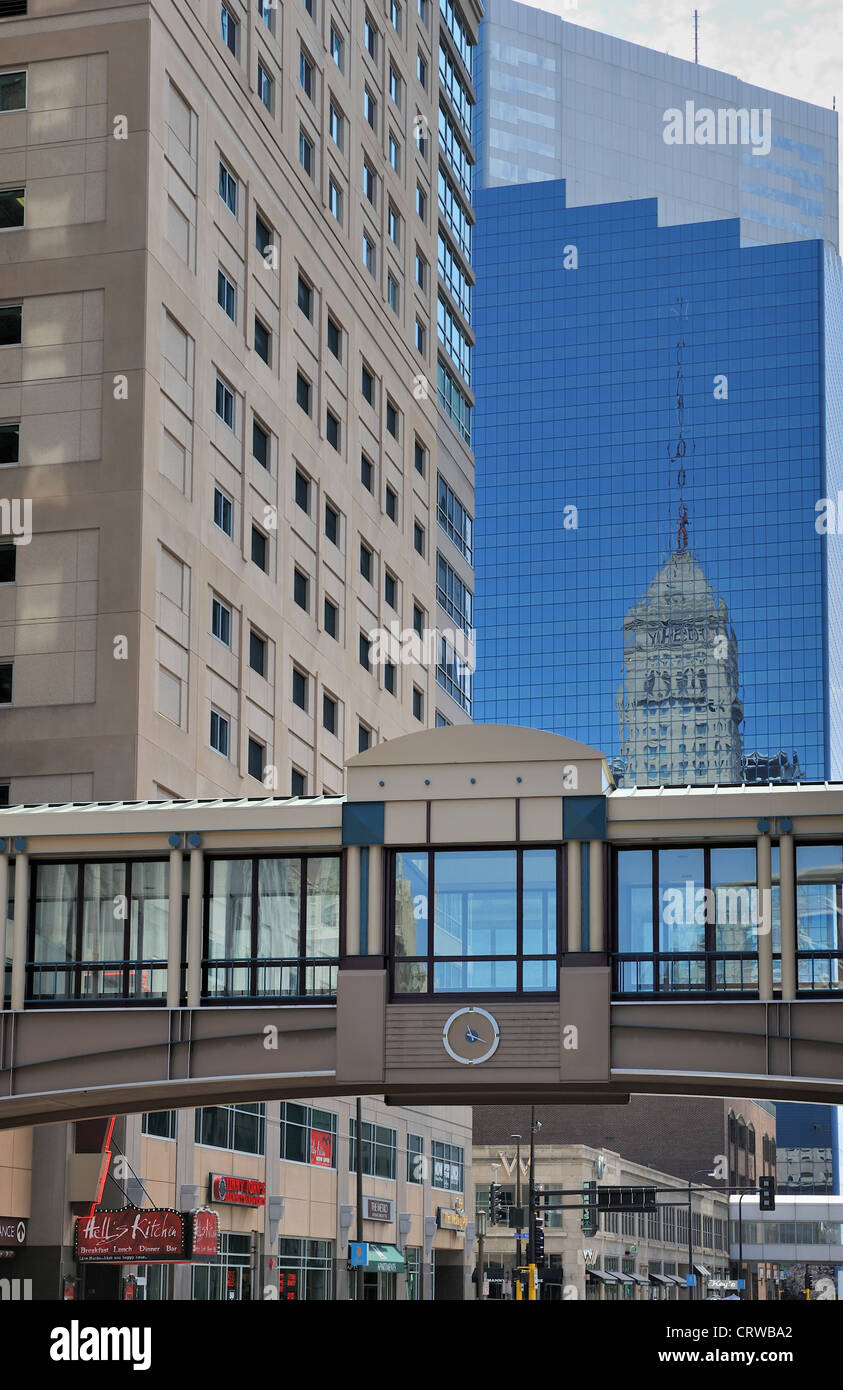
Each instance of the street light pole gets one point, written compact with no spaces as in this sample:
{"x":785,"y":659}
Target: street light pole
{"x":531,"y":1243}
{"x":692,"y":1287}
{"x":517,"y":1138}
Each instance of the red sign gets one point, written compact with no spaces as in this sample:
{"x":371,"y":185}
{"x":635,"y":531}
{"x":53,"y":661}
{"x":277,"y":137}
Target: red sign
{"x":204,"y":1233}
{"x":321,"y":1148}
{"x":288,"y":1286}
{"x":131,"y":1236}
{"x":239,"y":1192}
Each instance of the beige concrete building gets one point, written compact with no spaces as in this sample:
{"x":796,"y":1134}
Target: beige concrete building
{"x":234,"y":442}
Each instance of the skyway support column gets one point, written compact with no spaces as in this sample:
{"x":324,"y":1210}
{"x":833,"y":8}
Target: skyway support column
{"x":19,"y":930}
{"x":596,"y":904}
{"x":764,"y":925}
{"x":4,"y":898}
{"x":194,"y":925}
{"x":574,"y":896}
{"x":174,"y":934}
{"x":788,"y":916}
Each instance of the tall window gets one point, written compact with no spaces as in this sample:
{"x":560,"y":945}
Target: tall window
{"x":240,"y":1128}
{"x":228,"y":29}
{"x":79,"y":947}
{"x":272,"y":927}
{"x":495,"y":924}
{"x":228,"y":188}
{"x":448,"y":1166}
{"x":819,"y":917}
{"x":308,"y":1135}
{"x":379,"y":1150}
{"x":305,"y":1269}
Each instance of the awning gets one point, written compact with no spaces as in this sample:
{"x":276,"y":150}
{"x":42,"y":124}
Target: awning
{"x":675,"y":1279}
{"x":602,"y":1276}
{"x":633,"y":1279}
{"x":661,"y":1279}
{"x":386,"y":1258}
{"x":701,"y":1270}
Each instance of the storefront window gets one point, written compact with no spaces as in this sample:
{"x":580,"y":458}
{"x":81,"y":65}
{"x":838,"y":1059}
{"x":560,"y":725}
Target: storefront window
{"x":228,"y":1275}
{"x":378,"y":1150}
{"x":272,"y":927}
{"x":100,"y":931}
{"x":153,"y":1283}
{"x":305,"y":1269}
{"x":308,"y":1135}
{"x":413,"y":1268}
{"x":483,"y":931}
{"x":240,"y":1128}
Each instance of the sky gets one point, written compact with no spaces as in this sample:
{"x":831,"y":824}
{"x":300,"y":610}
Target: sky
{"x":793,"y":46}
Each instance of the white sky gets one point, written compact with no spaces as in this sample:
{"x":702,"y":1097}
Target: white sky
{"x":791,"y":46}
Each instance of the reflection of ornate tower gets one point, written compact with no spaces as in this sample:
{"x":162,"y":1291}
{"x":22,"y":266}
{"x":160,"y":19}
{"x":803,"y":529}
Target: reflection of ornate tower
{"x":678,"y":708}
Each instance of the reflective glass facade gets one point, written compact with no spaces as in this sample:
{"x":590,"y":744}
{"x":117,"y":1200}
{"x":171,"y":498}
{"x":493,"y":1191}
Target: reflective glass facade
{"x":650,"y":431}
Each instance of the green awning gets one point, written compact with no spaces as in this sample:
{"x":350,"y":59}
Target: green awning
{"x":386,"y":1258}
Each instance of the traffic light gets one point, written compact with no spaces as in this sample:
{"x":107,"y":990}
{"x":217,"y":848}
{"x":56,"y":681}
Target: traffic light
{"x":589,"y":1208}
{"x":497,"y":1210}
{"x":767,"y":1191}
{"x":538,"y":1239}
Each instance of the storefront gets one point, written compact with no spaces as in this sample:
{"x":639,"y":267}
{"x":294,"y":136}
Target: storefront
{"x":383,"y":1265}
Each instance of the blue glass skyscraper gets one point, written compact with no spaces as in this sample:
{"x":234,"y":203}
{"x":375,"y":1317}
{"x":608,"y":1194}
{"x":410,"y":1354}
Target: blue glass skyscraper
{"x":625,"y":372}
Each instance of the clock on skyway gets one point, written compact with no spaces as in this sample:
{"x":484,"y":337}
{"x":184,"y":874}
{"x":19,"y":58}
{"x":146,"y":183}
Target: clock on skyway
{"x":470,"y":1036}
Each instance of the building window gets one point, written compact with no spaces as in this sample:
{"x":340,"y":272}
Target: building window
{"x":415,"y":1159}
{"x":298,"y":783}
{"x":454,"y":596}
{"x":390,"y":590}
{"x":392,"y":292}
{"x":257,"y":652}
{"x":263,"y":341}
{"x":370,"y":108}
{"x":418,"y":537}
{"x":309,"y":6}
{"x":302,"y":491}
{"x":306,"y":153}
{"x":226,"y":295}
{"x":303,"y":392}
{"x":260,"y":551}
{"x":390,"y":671}
{"x":421,"y":203}
{"x":332,"y":430}
{"x":332,"y":523}
{"x":332,"y":614}
{"x":335,"y":199}
{"x":9,"y":442}
{"x":12,"y":206}
{"x":260,"y":444}
{"x":266,"y":87}
{"x":257,"y":753}
{"x":228,"y":29}
{"x":223,"y":512}
{"x":421,"y":270}
{"x":8,"y":562}
{"x":305,"y":298}
{"x":456,"y":404}
{"x":334,"y":339}
{"x":391,"y":503}
{"x":418,"y":620}
{"x":368,"y":253}
{"x":228,"y":188}
{"x":305,"y":1269}
{"x":364,"y":737}
{"x":336,"y":123}
{"x":370,"y":36}
{"x":159,"y":1124}
{"x":422,"y":6}
{"x":11,"y":325}
{"x":420,"y":458}
{"x":221,"y":621}
{"x":454,"y":675}
{"x":495,"y":928}
{"x":367,"y":473}
{"x":301,"y":589}
{"x":448,"y":1167}
{"x":365,"y":652}
{"x":272,"y":926}
{"x":337,"y":48}
{"x":263,"y":236}
{"x":329,"y":713}
{"x":306,"y":74}
{"x":225,"y":403}
{"x":395,"y":15}
{"x":418,"y":704}
{"x":393,"y":225}
{"x":370,"y":182}
{"x":421,"y":70}
{"x":379,"y":1150}
{"x":265,"y":10}
{"x":308,"y":1135}
{"x":395,"y":85}
{"x":299,"y":688}
{"x":441,"y":721}
{"x":239,"y":1128}
{"x":454,"y":519}
{"x":421,"y":337}
{"x":366,"y":556}
{"x":392,"y":418}
{"x":12,"y":91}
{"x":367,"y":384}
{"x":394,"y":153}
{"x":220,"y":732}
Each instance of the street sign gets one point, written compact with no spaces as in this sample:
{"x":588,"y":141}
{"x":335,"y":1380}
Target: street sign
{"x":690,"y":1280}
{"x":359,"y":1254}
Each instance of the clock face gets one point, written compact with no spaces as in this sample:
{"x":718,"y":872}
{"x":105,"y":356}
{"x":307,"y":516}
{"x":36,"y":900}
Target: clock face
{"x":470,"y":1036}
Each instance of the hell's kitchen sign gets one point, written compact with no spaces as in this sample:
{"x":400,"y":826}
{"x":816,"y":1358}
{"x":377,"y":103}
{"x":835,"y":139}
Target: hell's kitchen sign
{"x":131,"y":1236}
{"x":204,"y":1233}
{"x":239,"y":1192}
